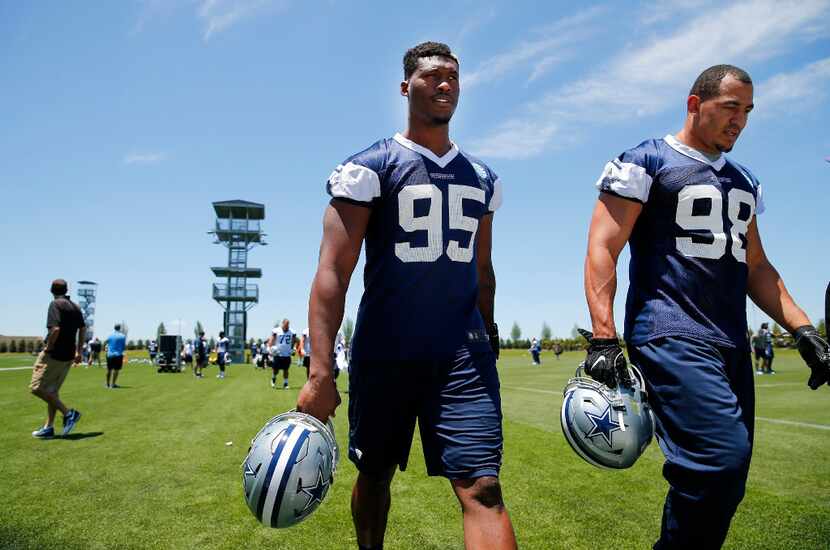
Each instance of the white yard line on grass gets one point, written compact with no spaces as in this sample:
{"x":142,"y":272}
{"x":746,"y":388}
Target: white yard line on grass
{"x":16,"y":368}
{"x":761,"y":418}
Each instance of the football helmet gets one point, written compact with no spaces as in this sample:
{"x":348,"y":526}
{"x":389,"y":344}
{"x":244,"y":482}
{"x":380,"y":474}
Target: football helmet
{"x":289,"y":468}
{"x":609,"y":428}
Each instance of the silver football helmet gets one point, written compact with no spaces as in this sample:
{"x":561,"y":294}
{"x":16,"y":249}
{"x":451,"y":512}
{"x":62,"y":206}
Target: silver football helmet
{"x":289,"y":468}
{"x":609,"y":428}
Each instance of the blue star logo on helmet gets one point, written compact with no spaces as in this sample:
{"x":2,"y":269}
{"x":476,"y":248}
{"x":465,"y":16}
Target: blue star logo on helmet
{"x":315,"y":492}
{"x":603,"y":425}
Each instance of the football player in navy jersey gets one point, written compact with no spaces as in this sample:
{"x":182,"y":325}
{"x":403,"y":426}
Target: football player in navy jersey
{"x":425,"y":211}
{"x":689,"y":215}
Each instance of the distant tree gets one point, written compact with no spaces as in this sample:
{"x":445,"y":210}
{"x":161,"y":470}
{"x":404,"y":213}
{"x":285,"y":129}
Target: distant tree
{"x":348,"y":330}
{"x":575,"y":332}
{"x":140,"y":344}
{"x":546,"y":332}
{"x":211,"y":343}
{"x":13,"y":346}
{"x":198,"y":328}
{"x":776,"y":330}
{"x":822,"y":328}
{"x":30,"y":346}
{"x":4,"y":347}
{"x":159,"y":331}
{"x":515,"y":332}
{"x":131,"y":345}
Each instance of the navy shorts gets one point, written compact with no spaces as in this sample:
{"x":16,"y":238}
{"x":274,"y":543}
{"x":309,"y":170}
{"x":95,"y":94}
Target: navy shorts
{"x":703,"y":397}
{"x":281,"y":363}
{"x":759,"y":353}
{"x":456,"y":403}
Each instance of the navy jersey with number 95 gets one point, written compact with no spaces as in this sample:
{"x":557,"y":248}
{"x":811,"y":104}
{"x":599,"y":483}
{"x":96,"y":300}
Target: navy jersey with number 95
{"x":688,"y":270}
{"x":420,"y":297}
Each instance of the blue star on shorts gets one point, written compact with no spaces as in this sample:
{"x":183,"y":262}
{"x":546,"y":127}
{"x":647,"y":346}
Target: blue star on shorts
{"x":603,"y":425}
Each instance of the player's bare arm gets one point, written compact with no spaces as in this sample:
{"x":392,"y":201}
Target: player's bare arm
{"x":611,"y":226}
{"x":344,"y":226}
{"x":486,"y":274}
{"x":766,"y":287}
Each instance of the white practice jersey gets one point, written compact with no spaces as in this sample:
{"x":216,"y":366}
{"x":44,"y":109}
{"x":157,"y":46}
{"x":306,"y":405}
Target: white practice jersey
{"x":283,"y":341}
{"x":222,"y":345}
{"x":307,"y":343}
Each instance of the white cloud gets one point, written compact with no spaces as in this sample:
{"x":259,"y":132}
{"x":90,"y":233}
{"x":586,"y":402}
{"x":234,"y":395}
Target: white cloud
{"x":791,"y":90}
{"x":659,"y":11}
{"x":220,"y":15}
{"x":144,"y":158}
{"x":555,"y":41}
{"x":646,"y":80}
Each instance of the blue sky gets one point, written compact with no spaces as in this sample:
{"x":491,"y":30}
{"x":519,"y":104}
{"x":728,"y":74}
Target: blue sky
{"x":122,"y":121}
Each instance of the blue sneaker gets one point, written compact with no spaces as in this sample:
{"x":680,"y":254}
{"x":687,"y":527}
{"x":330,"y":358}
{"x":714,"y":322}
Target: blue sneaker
{"x":46,"y":432}
{"x":70,"y":420}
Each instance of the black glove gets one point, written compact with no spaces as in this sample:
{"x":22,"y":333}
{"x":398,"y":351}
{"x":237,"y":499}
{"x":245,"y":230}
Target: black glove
{"x":493,"y":334}
{"x":605,"y":361}
{"x":816,"y":353}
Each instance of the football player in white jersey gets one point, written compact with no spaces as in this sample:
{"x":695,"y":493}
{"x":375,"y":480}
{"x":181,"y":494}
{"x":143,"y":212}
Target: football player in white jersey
{"x":305,"y":350}
{"x":281,"y":346}
{"x":221,"y":350}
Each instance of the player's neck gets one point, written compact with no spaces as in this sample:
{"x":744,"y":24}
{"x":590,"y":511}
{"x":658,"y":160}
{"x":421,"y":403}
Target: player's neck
{"x":434,"y":138}
{"x":688,"y":138}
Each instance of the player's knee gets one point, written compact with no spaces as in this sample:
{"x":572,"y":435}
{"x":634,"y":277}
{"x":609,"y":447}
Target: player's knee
{"x":374,"y":483}
{"x":483,"y":491}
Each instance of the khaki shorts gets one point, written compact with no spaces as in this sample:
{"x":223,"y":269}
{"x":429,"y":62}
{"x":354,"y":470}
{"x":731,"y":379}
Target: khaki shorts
{"x":48,"y":374}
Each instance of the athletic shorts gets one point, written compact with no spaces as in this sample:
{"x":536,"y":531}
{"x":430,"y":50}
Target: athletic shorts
{"x":220,"y":359}
{"x":759,"y":353}
{"x":115,"y":362}
{"x":281,"y":363}
{"x":188,"y":359}
{"x":307,"y":361}
{"x":456,"y":403}
{"x":48,"y":373}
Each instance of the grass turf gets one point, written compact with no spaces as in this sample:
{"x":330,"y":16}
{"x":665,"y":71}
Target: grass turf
{"x":148,"y":467}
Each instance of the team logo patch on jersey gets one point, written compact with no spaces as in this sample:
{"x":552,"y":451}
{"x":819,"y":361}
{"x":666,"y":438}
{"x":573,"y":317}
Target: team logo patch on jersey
{"x":482,"y":173}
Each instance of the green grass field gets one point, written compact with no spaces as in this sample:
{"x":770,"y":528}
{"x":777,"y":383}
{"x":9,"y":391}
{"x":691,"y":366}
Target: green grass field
{"x":148,"y":467}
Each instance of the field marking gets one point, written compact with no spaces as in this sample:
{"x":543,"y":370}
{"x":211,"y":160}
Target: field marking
{"x":17,"y":368}
{"x":793,"y":423}
{"x":776,"y":384}
{"x":761,"y":418}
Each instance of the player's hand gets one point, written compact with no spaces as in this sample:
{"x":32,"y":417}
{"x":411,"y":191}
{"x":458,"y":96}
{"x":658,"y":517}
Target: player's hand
{"x":816,"y":353}
{"x":77,"y":359}
{"x":493,"y":335}
{"x":605,"y":361}
{"x":319,"y":398}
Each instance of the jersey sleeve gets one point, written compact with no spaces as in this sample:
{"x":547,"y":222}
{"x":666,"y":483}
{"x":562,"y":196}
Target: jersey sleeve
{"x":495,"y":199}
{"x":630,"y":175}
{"x":358,"y":179}
{"x":753,"y":181}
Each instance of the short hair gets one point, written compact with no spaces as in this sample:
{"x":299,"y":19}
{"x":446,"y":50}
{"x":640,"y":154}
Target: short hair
{"x":425,"y":49}
{"x":117,"y":326}
{"x":221,"y":333}
{"x":707,"y":84}
{"x":59,"y":287}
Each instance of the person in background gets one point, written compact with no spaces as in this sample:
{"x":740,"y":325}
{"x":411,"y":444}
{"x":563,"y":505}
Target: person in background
{"x":64,"y":341}
{"x":116,"y":343}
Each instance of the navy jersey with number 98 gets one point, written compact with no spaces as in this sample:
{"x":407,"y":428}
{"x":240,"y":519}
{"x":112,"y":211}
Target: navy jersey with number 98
{"x":688,"y":271}
{"x":420,"y":297}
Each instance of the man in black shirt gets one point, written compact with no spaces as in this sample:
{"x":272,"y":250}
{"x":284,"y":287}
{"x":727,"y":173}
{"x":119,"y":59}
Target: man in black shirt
{"x":64,"y":341}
